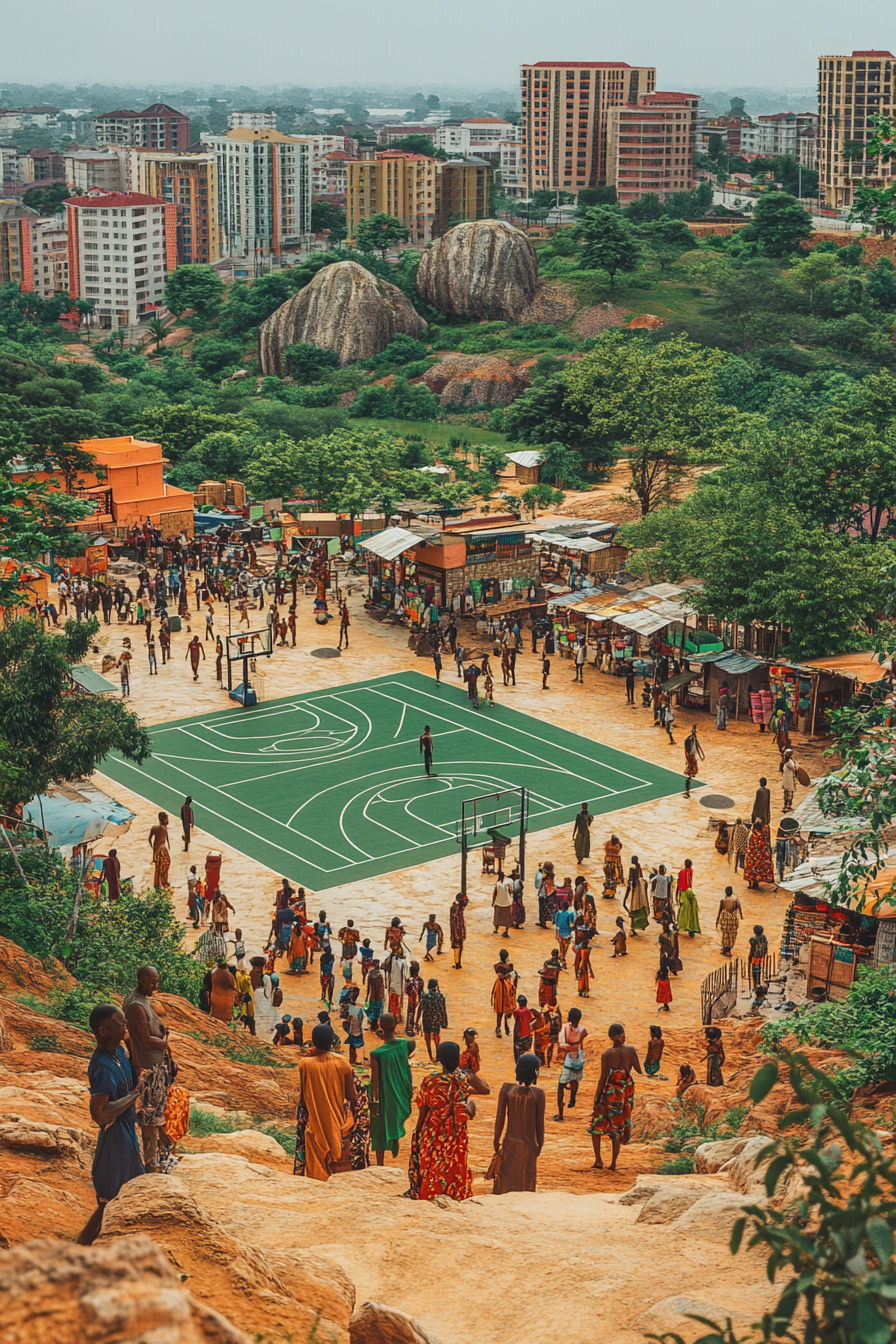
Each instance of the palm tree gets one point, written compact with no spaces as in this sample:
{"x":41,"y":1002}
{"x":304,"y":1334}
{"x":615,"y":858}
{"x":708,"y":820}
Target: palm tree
{"x":157,"y":331}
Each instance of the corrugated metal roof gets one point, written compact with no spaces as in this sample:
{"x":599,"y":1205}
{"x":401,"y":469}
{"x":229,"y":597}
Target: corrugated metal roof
{"x":586,"y":544}
{"x":391,"y":543}
{"x":91,"y":681}
{"x":526,"y":459}
{"x":863,"y":666}
{"x":738,"y":664}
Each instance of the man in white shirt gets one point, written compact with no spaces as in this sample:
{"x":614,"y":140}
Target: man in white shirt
{"x":502,"y":900}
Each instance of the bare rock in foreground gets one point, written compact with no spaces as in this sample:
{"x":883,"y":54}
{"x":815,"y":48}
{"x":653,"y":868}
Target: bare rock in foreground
{"x":486,"y":270}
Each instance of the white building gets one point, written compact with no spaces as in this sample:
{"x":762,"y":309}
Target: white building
{"x":251,"y":121}
{"x":47,"y":268}
{"x":329,"y":175}
{"x":121,"y":246}
{"x":264,"y":191}
{"x":777,"y":134}
{"x":86,"y":168}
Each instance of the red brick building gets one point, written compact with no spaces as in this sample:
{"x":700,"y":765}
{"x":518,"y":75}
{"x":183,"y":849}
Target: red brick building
{"x":650,"y":146}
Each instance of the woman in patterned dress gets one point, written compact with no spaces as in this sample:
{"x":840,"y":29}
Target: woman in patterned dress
{"x":440,"y":1143}
{"x":615,"y":1096}
{"x":613,"y":875}
{"x":759,"y":866}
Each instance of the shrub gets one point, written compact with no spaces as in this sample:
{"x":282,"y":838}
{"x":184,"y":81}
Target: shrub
{"x":677,"y":1166}
{"x":373,"y":400}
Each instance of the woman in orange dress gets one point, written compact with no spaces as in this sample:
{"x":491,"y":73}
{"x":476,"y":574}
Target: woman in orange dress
{"x":394,"y":938}
{"x":504,"y":991}
{"x":440,"y":1143}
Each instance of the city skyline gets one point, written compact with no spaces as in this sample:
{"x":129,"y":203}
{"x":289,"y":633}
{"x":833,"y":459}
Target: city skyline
{"x":214,"y":44}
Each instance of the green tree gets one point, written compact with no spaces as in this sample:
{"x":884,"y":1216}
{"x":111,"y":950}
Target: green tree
{"x":323,"y":469}
{"x":326,"y":216}
{"x":562,"y":466}
{"x":196,"y":287}
{"x":545,"y":414}
{"x":379,"y":232}
{"x":180,"y":428}
{"x":307,"y":362}
{"x":48,"y":199}
{"x":540,"y":496}
{"x":666,"y":239}
{"x":779,"y":224}
{"x":609,"y":242}
{"x":415,"y":144}
{"x":213,"y":357}
{"x":881,"y":284}
{"x":47,"y":735}
{"x":223,"y":455}
{"x":414,"y":401}
{"x":157,"y":330}
{"x":813,"y":271}
{"x":594,"y":196}
{"x":658,"y":402}
{"x":36,"y":518}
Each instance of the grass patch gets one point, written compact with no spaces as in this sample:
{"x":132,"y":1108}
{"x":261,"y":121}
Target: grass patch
{"x":247,"y":1050}
{"x":48,"y":1041}
{"x":203,"y":1124}
{"x":677,"y":1166}
{"x":435,"y":433}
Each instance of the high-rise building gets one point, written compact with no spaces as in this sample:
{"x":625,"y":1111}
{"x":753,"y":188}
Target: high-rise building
{"x":264,"y":191}
{"x":565,"y":105}
{"x":121,"y":246}
{"x":425,"y":194}
{"x":190,"y":183}
{"x":12,"y":216}
{"x":851,"y":89}
{"x":777,"y":134}
{"x":44,"y":256}
{"x":650,"y":147}
{"x":103,"y":168}
{"x":156,"y":127}
{"x":251,"y":121}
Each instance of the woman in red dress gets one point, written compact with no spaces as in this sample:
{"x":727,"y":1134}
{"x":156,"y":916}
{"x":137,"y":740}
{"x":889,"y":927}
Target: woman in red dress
{"x":440,"y":1143}
{"x":758,"y":865}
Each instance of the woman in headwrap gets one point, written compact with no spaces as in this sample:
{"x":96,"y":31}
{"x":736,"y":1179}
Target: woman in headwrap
{"x":504,"y":991}
{"x":440,"y":1144}
{"x":635,"y":899}
{"x":521,"y":1110}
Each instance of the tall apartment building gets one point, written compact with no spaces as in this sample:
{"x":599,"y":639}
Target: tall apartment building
{"x":777,"y":134}
{"x":44,"y":255}
{"x":564,"y":123}
{"x":121,"y":246}
{"x":189,"y":182}
{"x":156,"y":127}
{"x":425,"y":194}
{"x":650,"y":147}
{"x":264,"y":191}
{"x":251,"y":121}
{"x":851,"y":89}
{"x":12,"y":215}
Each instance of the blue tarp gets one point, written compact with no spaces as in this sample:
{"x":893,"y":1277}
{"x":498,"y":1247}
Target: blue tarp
{"x":78,"y":814}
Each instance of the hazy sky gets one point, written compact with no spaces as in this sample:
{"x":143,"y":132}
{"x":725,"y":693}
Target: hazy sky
{"x":764,"y":42}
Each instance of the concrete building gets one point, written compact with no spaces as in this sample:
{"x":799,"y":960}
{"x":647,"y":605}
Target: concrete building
{"x":189,"y":182}
{"x":650,"y":147}
{"x":47,"y":165}
{"x":86,"y":168}
{"x":264,"y":192}
{"x":807,"y":148}
{"x":425,"y":194}
{"x":328,"y":176}
{"x":156,"y":127}
{"x":251,"y":121}
{"x":44,"y":255}
{"x":778,"y":134}
{"x":388,"y":134}
{"x":133,"y":490}
{"x":851,"y":89}
{"x":564,"y":122}
{"x":12,"y":215}
{"x":121,"y":246}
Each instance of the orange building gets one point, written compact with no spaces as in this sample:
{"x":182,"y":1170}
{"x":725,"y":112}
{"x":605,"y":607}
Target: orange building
{"x":133,"y":491}
{"x":650,"y":146}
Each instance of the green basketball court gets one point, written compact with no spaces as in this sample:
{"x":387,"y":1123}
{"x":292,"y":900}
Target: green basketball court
{"x":328,"y":787}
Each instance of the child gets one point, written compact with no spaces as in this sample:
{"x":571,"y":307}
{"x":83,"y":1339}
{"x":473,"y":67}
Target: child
{"x":523,"y":1018}
{"x":555,"y":1022}
{"x":759,"y":1002}
{"x":365,"y":956}
{"x":376,"y":995}
{"x":655,"y":1047}
{"x":239,"y":947}
{"x":619,"y":940}
{"x":195,"y":903}
{"x":545,"y":672}
{"x":413,"y":989}
{"x":541,"y":1033}
{"x":469,"y":1055}
{"x":686,"y":1078}
{"x":327,"y":979}
{"x":663,"y":988}
{"x":489,"y":690}
{"x":354,"y":1024}
{"x":715,"y":1057}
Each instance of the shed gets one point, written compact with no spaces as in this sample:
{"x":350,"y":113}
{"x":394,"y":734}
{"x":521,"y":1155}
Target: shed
{"x":527,"y":464}
{"x":89,"y":681}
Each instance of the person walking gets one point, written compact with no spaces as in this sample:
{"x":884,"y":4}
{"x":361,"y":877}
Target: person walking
{"x":434,"y":1015}
{"x":327,"y":1106}
{"x":789,"y":769}
{"x":723,"y":707}
{"x":148,"y":1043}
{"x":579,"y":660}
{"x":437,"y":663}
{"x":194,"y":652}
{"x":113,"y":1094}
{"x":571,"y":1047}
{"x":458,"y":927}
{"x":502,"y":900}
{"x":545,"y":669}
{"x":186,"y":820}
{"x":728,"y":920}
{"x":344,"y":623}
{"x":519,"y":1130}
{"x":692,"y":750}
{"x":668,"y":719}
{"x":615,"y":1096}
{"x":439,"y":1162}
{"x":391,"y":1090}
{"x":630,"y":685}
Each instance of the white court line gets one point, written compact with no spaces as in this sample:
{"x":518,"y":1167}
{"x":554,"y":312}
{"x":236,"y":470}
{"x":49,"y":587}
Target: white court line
{"x":547,"y":746}
{"x":331,"y":760}
{"x":258,"y":737}
{"x":375,"y":822}
{"x":404,"y":710}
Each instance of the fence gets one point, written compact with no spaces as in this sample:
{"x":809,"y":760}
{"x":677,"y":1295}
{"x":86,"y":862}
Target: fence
{"x":718,"y":992}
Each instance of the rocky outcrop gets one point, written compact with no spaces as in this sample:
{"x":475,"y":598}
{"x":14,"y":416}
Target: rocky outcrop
{"x":373,"y":1323}
{"x":345,"y":309}
{"x":249,"y":1282}
{"x":486,"y":270}
{"x":107,"y":1294}
{"x":476,"y":380}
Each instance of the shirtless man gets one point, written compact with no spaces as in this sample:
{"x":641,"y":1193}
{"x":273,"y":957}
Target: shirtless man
{"x":161,"y":854}
{"x":432,"y":931}
{"x":615,"y":1095}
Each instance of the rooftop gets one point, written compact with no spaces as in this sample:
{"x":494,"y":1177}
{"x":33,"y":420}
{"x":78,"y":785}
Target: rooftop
{"x":265,"y":134}
{"x":582,"y":65}
{"x":113,"y":199}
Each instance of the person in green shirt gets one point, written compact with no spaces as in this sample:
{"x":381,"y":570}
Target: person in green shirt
{"x":391,"y":1089}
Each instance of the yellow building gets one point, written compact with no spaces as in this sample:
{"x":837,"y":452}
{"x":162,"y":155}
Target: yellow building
{"x":851,"y":89}
{"x":190,"y":183}
{"x":425,"y":194}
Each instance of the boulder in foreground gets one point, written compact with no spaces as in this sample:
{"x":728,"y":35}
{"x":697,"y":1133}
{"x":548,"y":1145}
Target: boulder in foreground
{"x":486,"y":270}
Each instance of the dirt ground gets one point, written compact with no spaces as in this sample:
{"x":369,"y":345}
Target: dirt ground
{"x":667,"y":831}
